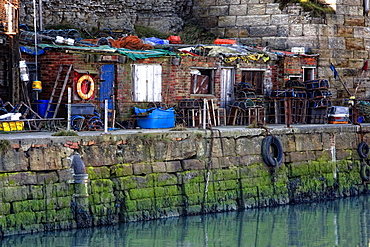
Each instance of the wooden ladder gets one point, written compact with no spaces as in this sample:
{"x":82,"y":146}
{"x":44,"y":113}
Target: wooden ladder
{"x":58,"y":89}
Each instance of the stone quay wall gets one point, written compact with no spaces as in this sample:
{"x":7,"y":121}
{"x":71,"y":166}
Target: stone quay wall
{"x":144,"y":176}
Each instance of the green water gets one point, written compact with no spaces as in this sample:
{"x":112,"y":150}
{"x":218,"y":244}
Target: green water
{"x":344,"y":222}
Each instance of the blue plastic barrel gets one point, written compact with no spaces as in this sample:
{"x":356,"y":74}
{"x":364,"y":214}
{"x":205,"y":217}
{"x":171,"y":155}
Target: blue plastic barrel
{"x":42,"y":105}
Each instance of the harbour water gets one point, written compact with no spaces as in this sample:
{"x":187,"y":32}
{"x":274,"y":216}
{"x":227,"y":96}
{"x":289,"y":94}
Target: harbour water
{"x":342,"y":222}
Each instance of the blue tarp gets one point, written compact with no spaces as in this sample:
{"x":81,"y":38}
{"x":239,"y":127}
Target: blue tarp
{"x":31,"y":50}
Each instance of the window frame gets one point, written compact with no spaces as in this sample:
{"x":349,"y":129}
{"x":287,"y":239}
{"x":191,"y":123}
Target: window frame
{"x":212,"y":76}
{"x":262,"y":72}
{"x":146,"y":82}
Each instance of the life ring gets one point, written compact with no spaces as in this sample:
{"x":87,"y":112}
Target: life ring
{"x":272,"y":151}
{"x":363,"y":150}
{"x":365,"y":172}
{"x":80,"y":82}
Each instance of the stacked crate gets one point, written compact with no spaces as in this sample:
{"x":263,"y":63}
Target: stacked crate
{"x":319,"y":100}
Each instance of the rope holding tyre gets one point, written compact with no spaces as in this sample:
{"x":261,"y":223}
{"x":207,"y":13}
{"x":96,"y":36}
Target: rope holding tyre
{"x":272,"y":151}
{"x":363,"y":150}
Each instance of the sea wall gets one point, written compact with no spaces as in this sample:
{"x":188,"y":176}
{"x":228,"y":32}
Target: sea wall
{"x":147,"y":174}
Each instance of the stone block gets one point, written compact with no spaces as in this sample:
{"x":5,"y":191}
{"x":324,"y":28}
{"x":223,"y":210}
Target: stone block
{"x":342,"y":54}
{"x":273,"y":9}
{"x":121,"y":170}
{"x":94,"y":155}
{"x":178,"y":150}
{"x":355,"y":44}
{"x":253,"y":21}
{"x":276,"y":42}
{"x":279,"y":19}
{"x":256,"y":9}
{"x":13,"y":161}
{"x":236,"y":32}
{"x":254,"y":40}
{"x":354,"y":21}
{"x":229,"y":161}
{"x":310,"y":30}
{"x":361,"y":32}
{"x":245,"y":146}
{"x":336,"y":43}
{"x":283,"y":31}
{"x":22,"y":178}
{"x":142,"y":168}
{"x":99,"y":172}
{"x":288,"y":142}
{"x":65,"y":175}
{"x":346,"y":140}
{"x":303,"y":41}
{"x":335,"y":19}
{"x":238,"y":9}
{"x":193,"y":164}
{"x":142,"y":193}
{"x":47,"y":177}
{"x":11,"y":194}
{"x":173,"y":166}
{"x":227,"y":21}
{"x":159,"y":167}
{"x":165,"y":179}
{"x":296,"y":157}
{"x":308,"y":142}
{"x":296,"y":30}
{"x":219,"y":11}
{"x":345,"y":31}
{"x":205,"y":3}
{"x":250,"y":160}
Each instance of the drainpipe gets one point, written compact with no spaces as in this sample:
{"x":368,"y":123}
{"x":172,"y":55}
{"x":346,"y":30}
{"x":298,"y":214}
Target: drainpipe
{"x":366,"y":6}
{"x":80,"y":204}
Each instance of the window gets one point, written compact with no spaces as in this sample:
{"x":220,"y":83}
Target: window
{"x":255,"y":78}
{"x":202,"y":81}
{"x":308,"y":73}
{"x":147,"y":83}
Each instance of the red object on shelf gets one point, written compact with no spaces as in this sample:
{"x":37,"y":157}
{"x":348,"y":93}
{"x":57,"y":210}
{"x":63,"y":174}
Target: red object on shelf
{"x":225,"y":42}
{"x":175,"y":39}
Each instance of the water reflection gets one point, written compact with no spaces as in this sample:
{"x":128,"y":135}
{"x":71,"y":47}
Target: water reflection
{"x":342,"y":222}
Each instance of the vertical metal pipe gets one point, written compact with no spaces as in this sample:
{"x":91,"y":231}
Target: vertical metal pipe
{"x":69,"y":109}
{"x":35,"y":31}
{"x":106,"y":116}
{"x":40,"y":14}
{"x":204,"y":113}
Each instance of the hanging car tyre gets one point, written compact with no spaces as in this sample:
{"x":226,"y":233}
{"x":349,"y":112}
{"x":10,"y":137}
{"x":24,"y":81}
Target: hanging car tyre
{"x":363,"y":150}
{"x":365,"y":172}
{"x":272,"y":151}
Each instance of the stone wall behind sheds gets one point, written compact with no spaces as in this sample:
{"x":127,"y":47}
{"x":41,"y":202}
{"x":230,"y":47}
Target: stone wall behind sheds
{"x":163,"y":15}
{"x":341,"y":38}
{"x":143,"y":176}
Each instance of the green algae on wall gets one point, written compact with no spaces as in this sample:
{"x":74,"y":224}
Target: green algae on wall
{"x":152,"y":176}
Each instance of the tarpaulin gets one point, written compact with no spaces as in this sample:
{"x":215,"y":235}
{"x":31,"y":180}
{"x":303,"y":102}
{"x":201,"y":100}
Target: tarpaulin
{"x":31,"y":50}
{"x":132,"y":54}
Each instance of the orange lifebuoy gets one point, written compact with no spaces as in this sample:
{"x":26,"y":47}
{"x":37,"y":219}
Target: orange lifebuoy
{"x":80,"y":81}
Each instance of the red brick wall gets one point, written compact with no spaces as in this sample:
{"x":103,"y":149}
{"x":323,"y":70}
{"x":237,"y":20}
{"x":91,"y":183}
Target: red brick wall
{"x":175,"y":78}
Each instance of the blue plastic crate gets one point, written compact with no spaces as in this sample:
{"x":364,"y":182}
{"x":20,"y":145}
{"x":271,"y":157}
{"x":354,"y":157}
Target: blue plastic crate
{"x":156,"y":119}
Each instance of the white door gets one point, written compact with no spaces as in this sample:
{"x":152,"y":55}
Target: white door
{"x":147,"y":83}
{"x":227,"y":86}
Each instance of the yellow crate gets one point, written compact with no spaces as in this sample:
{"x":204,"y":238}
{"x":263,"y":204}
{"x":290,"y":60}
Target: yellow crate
{"x":11,"y":126}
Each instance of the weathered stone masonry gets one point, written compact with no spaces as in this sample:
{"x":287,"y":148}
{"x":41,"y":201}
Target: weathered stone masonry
{"x":145,"y":176}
